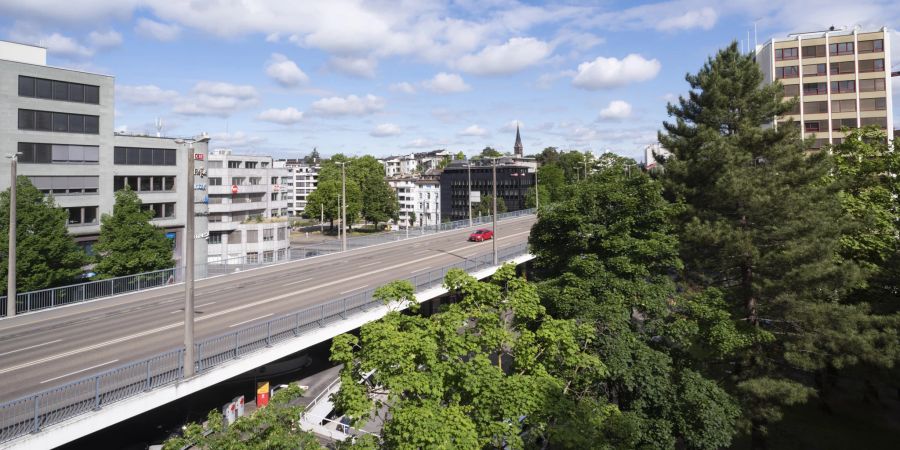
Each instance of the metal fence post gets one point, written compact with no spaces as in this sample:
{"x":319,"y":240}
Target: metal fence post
{"x":200,"y":357}
{"x":236,"y":345}
{"x":269,"y":333}
{"x":96,"y":393}
{"x":37,"y":414}
{"x":344,"y":309}
{"x":147,"y":387}
{"x":296,"y":324}
{"x":322,"y":316}
{"x":53,"y":297}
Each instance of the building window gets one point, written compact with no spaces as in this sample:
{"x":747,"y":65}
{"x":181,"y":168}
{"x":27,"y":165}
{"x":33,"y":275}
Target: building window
{"x":813,"y":51}
{"x":787,"y":72}
{"x":876,"y":45}
{"x":252,"y":257}
{"x":811,"y":127}
{"x":872,"y":104}
{"x":880,"y":121}
{"x":255,"y":181}
{"x":82,"y":215}
{"x":811,"y":70}
{"x":66,"y":185}
{"x":268,"y":234}
{"x":58,"y":122}
{"x":268,"y":256}
{"x":215,"y":181}
{"x":237,"y":181}
{"x":815,"y":88}
{"x":160,"y":210}
{"x":837,"y":124}
{"x":871,"y":85}
{"x":843,"y":106}
{"x":871,"y":65}
{"x":838,"y":68}
{"x":234,"y":164}
{"x":58,"y":90}
{"x":145,"y":183}
{"x":138,"y":156}
{"x":215,"y":237}
{"x":785,"y":53}
{"x":791,"y":90}
{"x":840,"y":87}
{"x":32,"y":153}
{"x":843,"y":48}
{"x":250,"y":165}
{"x":815,"y":107}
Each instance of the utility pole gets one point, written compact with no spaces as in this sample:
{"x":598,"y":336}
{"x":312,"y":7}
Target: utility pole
{"x":344,"y":205}
{"x":189,"y":239}
{"x":11,"y":269}
{"x":537,"y":192}
{"x":494,"y":224}
{"x":469,"y":201}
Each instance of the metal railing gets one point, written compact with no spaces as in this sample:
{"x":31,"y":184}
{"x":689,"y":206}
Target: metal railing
{"x":92,"y":290}
{"x":32,"y":413}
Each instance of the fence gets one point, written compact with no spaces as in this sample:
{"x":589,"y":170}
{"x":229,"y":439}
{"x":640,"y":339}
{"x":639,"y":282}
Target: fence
{"x":32,"y":413}
{"x":92,"y":290}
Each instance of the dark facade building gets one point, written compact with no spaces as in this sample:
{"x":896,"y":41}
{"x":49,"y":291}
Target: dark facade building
{"x":513,"y":182}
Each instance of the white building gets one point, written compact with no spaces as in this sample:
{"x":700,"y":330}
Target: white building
{"x":247,"y":208}
{"x":305,"y":178}
{"x":651,"y":151}
{"x":419,"y":196}
{"x":406,"y":165}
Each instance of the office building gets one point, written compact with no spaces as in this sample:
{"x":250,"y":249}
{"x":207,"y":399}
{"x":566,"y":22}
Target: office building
{"x":513,"y":182}
{"x":248,"y":212}
{"x":841,"y":77}
{"x":61,"y":123}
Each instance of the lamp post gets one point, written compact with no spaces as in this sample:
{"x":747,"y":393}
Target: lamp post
{"x":537,"y":192}
{"x":494,"y":220}
{"x":343,"y":206}
{"x":469,"y":193}
{"x":11,"y":269}
{"x":189,"y":260}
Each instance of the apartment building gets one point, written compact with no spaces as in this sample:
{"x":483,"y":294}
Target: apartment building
{"x":406,"y":165}
{"x":61,"y":122}
{"x":420,"y":196}
{"x":248,"y":208}
{"x":841,"y":77}
{"x":304,"y":179}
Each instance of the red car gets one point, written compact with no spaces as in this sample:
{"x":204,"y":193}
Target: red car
{"x":481,"y":235}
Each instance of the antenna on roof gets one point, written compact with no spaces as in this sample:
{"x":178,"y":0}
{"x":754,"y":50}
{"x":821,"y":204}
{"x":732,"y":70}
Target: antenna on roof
{"x":159,"y":127}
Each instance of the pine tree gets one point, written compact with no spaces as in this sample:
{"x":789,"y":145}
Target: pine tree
{"x":47,"y":256}
{"x":129,"y":244}
{"x":761,"y":222}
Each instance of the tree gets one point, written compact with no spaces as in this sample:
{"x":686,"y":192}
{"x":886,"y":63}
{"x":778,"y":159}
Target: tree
{"x":605,"y":253}
{"x":489,"y":152}
{"x":328,"y":194}
{"x":379,"y":201}
{"x":46,"y":255}
{"x":574,"y":165}
{"x":493,"y":370}
{"x":271,"y":428}
{"x":444,"y":162}
{"x":552,"y":177}
{"x":760,"y":224}
{"x":460,"y":156}
{"x":129,"y":244}
{"x":486,"y":206}
{"x":412,"y":218}
{"x":312,"y":158}
{"x":549,"y":156}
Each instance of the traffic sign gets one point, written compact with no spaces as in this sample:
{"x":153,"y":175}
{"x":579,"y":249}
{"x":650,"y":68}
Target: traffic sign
{"x":234,"y":189}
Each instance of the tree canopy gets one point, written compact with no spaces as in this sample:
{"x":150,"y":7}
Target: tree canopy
{"x":46,"y":255}
{"x":486,"y":206}
{"x":129,"y":244}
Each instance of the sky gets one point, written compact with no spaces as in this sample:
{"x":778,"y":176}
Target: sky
{"x":400,"y":76}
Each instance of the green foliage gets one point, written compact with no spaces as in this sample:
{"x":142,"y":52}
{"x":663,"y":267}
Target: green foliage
{"x":476,"y":375}
{"x":412,"y":218}
{"x":460,"y":156}
{"x":368,"y":194}
{"x":552,"y":178}
{"x":401,"y":292}
{"x":443,"y":162}
{"x":379,"y":202}
{"x":489,"y":152}
{"x":46,"y":255}
{"x":129,"y":243}
{"x":271,"y":428}
{"x":312,"y":158}
{"x":486,"y":206}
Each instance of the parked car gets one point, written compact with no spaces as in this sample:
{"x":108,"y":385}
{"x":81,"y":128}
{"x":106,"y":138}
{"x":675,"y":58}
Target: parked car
{"x":481,"y":235}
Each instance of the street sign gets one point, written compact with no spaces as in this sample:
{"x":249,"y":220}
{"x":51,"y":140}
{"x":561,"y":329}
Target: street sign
{"x":200,"y":187}
{"x":198,"y":156}
{"x":201,"y":171}
{"x":202,"y":236}
{"x":475,"y":196}
{"x":262,"y":394}
{"x":234,"y":189}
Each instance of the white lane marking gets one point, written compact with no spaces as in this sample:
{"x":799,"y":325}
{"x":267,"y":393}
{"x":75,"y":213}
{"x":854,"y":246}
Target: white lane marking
{"x":78,"y":371}
{"x":369,"y":264}
{"x":29,"y":348}
{"x":226,"y":311}
{"x":419,"y":270}
{"x":354,"y":289}
{"x":298,"y":282}
{"x":206,"y":304}
{"x":251,"y":320}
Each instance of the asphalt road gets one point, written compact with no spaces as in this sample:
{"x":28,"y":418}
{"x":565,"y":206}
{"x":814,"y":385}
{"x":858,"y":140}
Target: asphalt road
{"x":49,"y":348}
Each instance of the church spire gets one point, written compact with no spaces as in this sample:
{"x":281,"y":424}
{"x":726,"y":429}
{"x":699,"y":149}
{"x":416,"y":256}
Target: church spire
{"x":519,"y":150}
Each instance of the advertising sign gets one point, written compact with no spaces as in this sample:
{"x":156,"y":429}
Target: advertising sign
{"x":234,"y":189}
{"x":198,"y":156}
{"x":475,"y":196}
{"x":262,"y":394}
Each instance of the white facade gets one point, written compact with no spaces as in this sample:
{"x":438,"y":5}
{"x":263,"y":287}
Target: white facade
{"x":650,"y":153}
{"x":304,"y":178}
{"x":421,"y":197}
{"x":248,"y":208}
{"x":406,"y":165}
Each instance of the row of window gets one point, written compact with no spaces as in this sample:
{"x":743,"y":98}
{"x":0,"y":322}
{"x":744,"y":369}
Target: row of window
{"x":30,"y":119}
{"x":82,"y":215}
{"x":160,"y":210}
{"x":145,"y":183}
{"x":815,"y":126}
{"x":865,"y":104}
{"x":66,"y":184}
{"x":144,"y":156}
{"x":842,"y":48}
{"x":836,"y":68}
{"x":58,"y":90}
{"x":33,"y":153}
{"x":821,"y":88}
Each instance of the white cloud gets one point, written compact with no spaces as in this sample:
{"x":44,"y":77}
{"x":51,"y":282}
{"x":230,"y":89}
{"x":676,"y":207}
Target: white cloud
{"x":105,"y":40}
{"x":704,"y":18}
{"x":145,"y":94}
{"x":421,"y":143}
{"x":157,"y":30}
{"x":510,"y":127}
{"x":403,"y":87}
{"x":284,"y":71}
{"x":55,"y":43}
{"x":347,"y":106}
{"x":611,"y":72}
{"x":513,"y":56}
{"x":473,"y":130}
{"x":286,"y":116}
{"x":384,"y":130}
{"x":217,"y":99}
{"x":616,"y":110}
{"x":446,"y":83}
{"x":238,"y":139}
{"x":670,"y":98}
{"x":357,"y":67}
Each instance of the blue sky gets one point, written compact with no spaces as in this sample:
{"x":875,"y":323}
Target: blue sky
{"x":393,"y":77}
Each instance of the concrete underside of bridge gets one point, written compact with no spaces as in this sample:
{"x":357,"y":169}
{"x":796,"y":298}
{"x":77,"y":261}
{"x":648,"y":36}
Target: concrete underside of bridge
{"x":85,"y":424}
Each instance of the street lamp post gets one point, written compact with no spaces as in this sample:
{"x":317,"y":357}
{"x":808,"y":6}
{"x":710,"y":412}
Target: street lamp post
{"x":343,"y":206}
{"x":189,"y":261}
{"x":469,"y":170}
{"x":494,"y":221}
{"x":537,"y":192}
{"x":11,"y":269}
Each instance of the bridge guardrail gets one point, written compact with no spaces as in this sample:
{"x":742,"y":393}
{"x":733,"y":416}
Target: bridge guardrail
{"x":93,"y":290}
{"x":31,"y":413}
